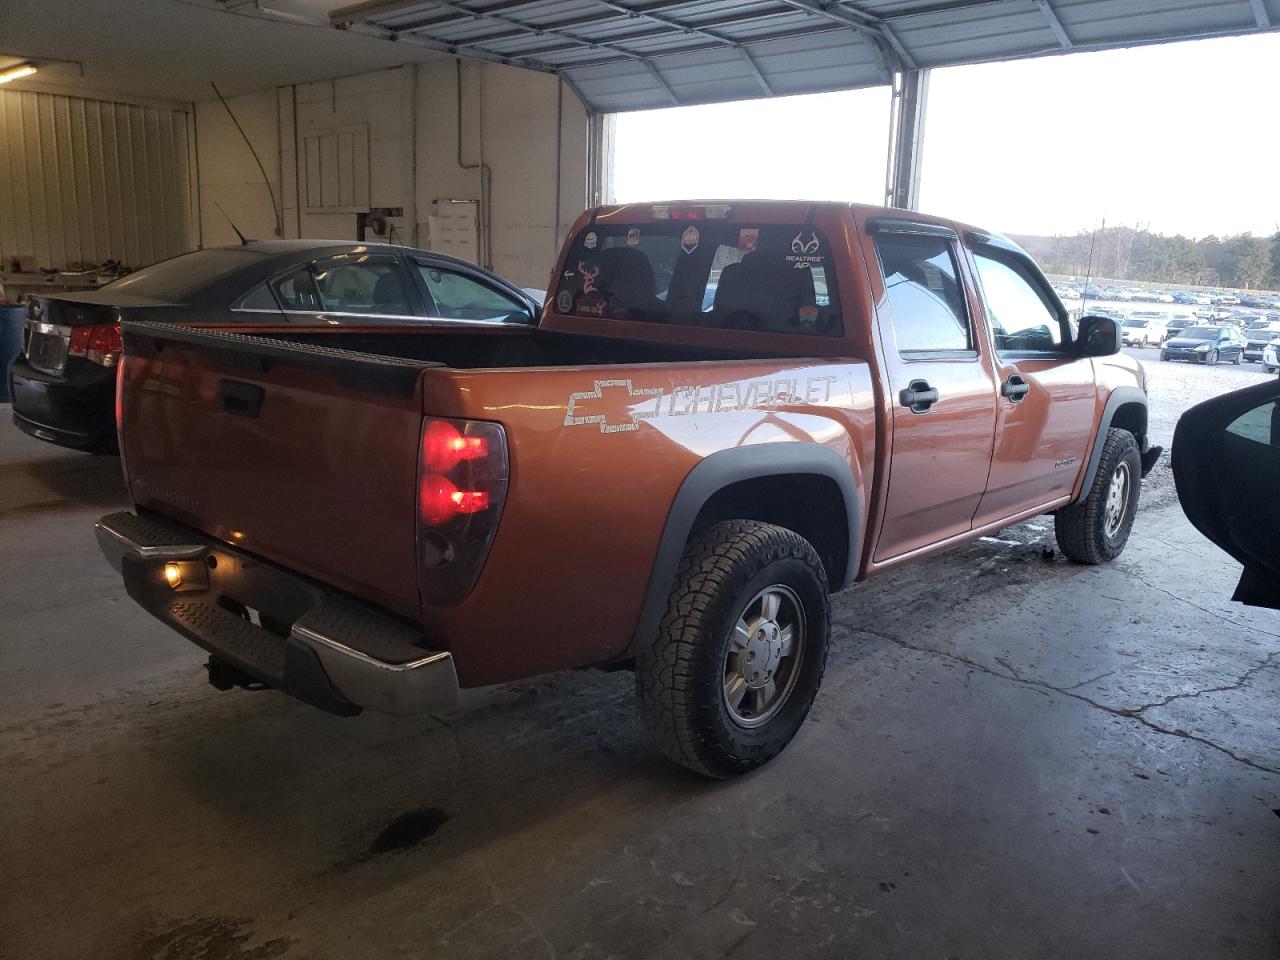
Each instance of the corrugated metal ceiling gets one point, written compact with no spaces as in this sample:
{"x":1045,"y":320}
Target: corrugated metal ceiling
{"x":632,"y":55}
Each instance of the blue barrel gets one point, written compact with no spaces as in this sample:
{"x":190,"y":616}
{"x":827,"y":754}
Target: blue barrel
{"x":11,"y":317}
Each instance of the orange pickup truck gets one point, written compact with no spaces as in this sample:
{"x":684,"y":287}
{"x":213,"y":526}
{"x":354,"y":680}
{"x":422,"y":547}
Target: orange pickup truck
{"x":727,"y":411}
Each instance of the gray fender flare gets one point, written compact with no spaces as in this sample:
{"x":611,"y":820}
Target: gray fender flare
{"x":720,"y":470}
{"x":1119,"y":397}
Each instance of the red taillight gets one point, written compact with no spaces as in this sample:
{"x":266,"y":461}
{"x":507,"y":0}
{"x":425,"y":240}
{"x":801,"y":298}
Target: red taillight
{"x":105,"y":345}
{"x":444,"y":446}
{"x":78,"y":345}
{"x":687,"y":213}
{"x":462,"y":485}
{"x":101,"y":343}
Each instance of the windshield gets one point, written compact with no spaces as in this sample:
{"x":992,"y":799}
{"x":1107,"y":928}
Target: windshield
{"x":774,"y":278}
{"x":1200,"y":333}
{"x":1130,"y":322}
{"x":177,"y":279}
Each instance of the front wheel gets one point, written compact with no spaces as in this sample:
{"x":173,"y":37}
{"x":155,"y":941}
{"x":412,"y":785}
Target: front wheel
{"x":1096,"y":528}
{"x":741,"y":650}
{"x":1212,"y":359}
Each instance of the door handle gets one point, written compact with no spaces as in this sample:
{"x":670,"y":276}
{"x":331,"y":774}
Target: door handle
{"x":240,"y":398}
{"x":1015,"y":388}
{"x":918,"y":395}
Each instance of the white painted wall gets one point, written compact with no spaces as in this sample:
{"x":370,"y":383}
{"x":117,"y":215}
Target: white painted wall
{"x":226,"y":171}
{"x":509,"y":123}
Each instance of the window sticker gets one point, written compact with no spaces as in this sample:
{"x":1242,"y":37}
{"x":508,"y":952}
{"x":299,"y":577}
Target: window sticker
{"x":589,"y":273}
{"x":564,"y":301}
{"x":748,"y":239}
{"x":590,"y":241}
{"x":808,"y":317}
{"x":633,"y":237}
{"x":804,"y":250}
{"x":689,"y":240}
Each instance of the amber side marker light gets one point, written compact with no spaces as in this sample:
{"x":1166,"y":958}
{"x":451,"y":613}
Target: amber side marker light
{"x":173,"y":575}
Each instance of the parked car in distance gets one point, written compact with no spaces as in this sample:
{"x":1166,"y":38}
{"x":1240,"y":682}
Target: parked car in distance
{"x":1271,"y":357}
{"x":1212,"y":315}
{"x":1178,"y":324}
{"x":63,"y":382}
{"x":1256,"y":340}
{"x":1226,"y":467}
{"x":1204,"y":344}
{"x":1145,"y":327}
{"x":638,"y":481}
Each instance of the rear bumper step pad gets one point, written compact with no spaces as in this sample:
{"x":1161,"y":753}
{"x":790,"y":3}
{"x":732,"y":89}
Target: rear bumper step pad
{"x":314,"y":644}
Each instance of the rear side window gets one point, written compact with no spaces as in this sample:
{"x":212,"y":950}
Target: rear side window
{"x":362,"y":284}
{"x":926,"y":299}
{"x":774,"y":278}
{"x":297,"y":290}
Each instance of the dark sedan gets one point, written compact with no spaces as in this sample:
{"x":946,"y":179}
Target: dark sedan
{"x":63,"y":383}
{"x":1207,"y":345}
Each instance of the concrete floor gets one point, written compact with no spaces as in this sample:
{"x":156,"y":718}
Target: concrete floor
{"x":1011,"y":756}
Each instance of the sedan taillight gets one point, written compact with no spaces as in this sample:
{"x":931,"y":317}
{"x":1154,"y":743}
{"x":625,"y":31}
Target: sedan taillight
{"x":100,"y":343}
{"x":462,"y":486}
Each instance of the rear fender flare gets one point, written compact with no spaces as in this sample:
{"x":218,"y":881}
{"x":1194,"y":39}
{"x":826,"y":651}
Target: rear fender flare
{"x":721,"y":470}
{"x":1119,"y":397}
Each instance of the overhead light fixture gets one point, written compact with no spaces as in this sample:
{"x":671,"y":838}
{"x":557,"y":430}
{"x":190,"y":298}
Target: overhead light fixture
{"x":16,"y":72}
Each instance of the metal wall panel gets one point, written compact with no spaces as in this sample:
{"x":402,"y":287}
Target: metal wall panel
{"x":84,"y":181}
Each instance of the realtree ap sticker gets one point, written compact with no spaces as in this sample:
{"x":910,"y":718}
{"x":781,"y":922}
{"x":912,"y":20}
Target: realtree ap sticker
{"x":748,"y":239}
{"x":689,"y":240}
{"x":590,"y":241}
{"x":633,"y":237}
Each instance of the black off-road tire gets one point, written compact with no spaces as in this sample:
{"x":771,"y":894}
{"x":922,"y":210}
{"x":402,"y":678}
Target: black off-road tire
{"x":1081,"y":527}
{"x":680,"y":676}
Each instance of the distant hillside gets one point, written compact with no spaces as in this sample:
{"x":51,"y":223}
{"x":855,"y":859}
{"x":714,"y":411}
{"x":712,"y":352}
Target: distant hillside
{"x":1244,"y":261}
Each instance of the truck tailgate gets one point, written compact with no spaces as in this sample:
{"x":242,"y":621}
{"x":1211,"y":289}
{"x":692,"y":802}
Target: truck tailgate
{"x":305,"y":456}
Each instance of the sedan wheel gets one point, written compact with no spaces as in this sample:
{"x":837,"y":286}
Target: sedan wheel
{"x":1212,"y":359}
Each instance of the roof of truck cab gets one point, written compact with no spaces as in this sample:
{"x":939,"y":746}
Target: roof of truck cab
{"x":798,"y":210}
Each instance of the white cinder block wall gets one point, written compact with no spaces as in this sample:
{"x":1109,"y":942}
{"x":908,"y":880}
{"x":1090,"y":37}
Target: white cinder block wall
{"x":508,"y":124}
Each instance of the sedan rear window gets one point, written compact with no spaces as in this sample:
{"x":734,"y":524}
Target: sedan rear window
{"x":178,"y":279}
{"x":775,"y":278}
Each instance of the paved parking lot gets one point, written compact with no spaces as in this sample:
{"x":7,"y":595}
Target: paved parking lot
{"x":1011,"y":756}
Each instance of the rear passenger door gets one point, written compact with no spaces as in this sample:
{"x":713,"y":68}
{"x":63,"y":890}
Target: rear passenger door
{"x":1047,"y":394}
{"x":940,"y":385}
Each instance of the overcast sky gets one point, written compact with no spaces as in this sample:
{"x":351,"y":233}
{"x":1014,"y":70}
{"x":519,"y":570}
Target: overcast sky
{"x":1183,"y":138}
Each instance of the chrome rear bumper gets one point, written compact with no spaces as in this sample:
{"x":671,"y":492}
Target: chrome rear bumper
{"x":277,"y":627}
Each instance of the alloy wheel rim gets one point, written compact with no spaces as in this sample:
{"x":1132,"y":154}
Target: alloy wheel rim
{"x":1117,"y":506}
{"x":762,"y":663}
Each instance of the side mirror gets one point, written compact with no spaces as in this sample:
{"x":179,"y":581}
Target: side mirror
{"x":1098,"y":336}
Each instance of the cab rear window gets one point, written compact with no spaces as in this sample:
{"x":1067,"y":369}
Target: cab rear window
{"x":774,"y":278}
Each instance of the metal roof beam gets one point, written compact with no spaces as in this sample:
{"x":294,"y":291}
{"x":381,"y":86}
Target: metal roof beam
{"x":1260,"y":14}
{"x":890,"y":55}
{"x":526,"y":29}
{"x":1059,"y":31}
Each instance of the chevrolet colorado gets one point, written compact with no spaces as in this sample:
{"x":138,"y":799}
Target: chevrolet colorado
{"x":726,"y":412}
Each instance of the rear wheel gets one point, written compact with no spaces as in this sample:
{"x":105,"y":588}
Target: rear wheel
{"x":1097,"y":528}
{"x":741,"y":650}
{"x":1239,"y":359}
